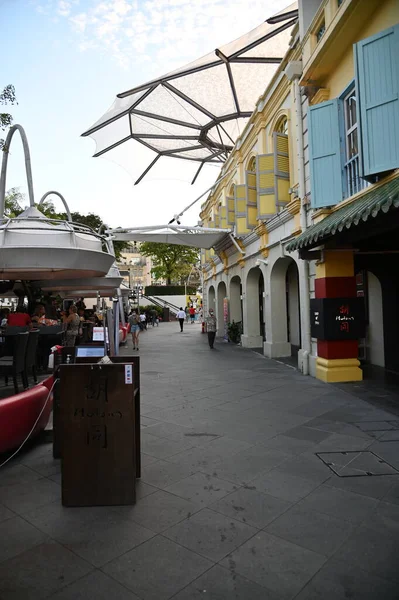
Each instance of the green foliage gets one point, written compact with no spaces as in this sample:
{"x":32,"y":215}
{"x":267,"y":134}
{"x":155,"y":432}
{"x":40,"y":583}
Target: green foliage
{"x":151,"y":307}
{"x":13,"y":200}
{"x":171,"y":262}
{"x":7,"y":96}
{"x":234,"y":332}
{"x":168,"y":290}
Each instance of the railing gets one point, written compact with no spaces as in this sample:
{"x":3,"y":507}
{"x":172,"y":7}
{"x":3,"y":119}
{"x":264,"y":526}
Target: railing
{"x":354,"y":183}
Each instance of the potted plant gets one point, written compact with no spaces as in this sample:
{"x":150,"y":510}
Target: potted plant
{"x":234,"y":332}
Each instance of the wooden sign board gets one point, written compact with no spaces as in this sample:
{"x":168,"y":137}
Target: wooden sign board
{"x":97,"y":423}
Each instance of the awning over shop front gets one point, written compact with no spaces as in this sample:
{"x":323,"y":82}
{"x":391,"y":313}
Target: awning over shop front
{"x":378,"y":199}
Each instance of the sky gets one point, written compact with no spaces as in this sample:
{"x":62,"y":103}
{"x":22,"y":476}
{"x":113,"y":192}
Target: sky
{"x":69,"y":58}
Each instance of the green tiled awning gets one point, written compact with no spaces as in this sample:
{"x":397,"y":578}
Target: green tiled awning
{"x":377,"y":200}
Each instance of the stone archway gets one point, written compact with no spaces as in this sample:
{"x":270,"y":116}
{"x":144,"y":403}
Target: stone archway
{"x":254,"y":309}
{"x":211,"y":298}
{"x":375,"y":333}
{"x":221,"y":295}
{"x":284,"y":330}
{"x":236,"y":300}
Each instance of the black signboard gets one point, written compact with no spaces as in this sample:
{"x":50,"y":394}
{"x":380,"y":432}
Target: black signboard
{"x":337,"y":318}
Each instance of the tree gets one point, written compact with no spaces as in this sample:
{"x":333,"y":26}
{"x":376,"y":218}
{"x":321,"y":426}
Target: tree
{"x":7,"y":96}
{"x":171,"y":262}
{"x":12,"y":203}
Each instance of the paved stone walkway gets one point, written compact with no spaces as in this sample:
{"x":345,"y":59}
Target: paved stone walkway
{"x":234,"y":501}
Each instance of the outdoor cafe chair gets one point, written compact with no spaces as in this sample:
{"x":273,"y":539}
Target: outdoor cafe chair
{"x":15,"y":364}
{"x":31,"y":357}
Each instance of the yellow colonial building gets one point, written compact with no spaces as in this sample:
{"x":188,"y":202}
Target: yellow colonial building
{"x":312,"y":193}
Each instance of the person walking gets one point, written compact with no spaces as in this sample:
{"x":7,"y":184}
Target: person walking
{"x":211,"y":327}
{"x":134,"y":323}
{"x":192,"y":314}
{"x":181,"y":315}
{"x":154,"y":317}
{"x":186,"y":310}
{"x":72,"y":326}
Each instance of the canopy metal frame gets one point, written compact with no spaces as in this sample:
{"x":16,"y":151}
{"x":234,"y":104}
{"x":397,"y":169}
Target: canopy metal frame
{"x":211,"y":140}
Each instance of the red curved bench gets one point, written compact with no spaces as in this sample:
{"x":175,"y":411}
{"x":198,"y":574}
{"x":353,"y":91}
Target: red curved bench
{"x":18,"y":413}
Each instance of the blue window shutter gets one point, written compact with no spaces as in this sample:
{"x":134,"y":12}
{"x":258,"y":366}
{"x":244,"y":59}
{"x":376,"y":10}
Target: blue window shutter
{"x":377,"y":79}
{"x":325,"y":154}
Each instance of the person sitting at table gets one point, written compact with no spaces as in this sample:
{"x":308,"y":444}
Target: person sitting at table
{"x":39,"y":315}
{"x":72,"y":322}
{"x":19,"y":318}
{"x":4,"y":317}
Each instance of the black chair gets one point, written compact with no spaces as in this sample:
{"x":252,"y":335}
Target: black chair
{"x":31,"y":357}
{"x":15,"y":364}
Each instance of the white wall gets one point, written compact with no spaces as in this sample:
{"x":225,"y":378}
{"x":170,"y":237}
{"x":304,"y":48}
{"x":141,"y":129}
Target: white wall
{"x":375,"y":335}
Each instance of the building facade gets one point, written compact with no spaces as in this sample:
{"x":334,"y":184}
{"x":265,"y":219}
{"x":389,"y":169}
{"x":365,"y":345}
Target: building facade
{"x":313,"y":196}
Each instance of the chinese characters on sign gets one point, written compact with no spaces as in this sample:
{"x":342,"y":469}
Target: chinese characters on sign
{"x":337,"y":318}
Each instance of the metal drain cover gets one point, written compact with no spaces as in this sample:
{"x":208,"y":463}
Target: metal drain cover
{"x":356,"y":463}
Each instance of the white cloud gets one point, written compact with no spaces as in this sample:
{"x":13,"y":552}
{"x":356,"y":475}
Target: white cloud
{"x":175,"y":31}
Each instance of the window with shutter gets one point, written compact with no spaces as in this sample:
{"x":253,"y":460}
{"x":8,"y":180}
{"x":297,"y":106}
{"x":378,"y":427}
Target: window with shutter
{"x":223,"y":217}
{"x":281,"y":168}
{"x":240,"y":209}
{"x":231,"y":214}
{"x":377,"y":80}
{"x":265,"y":186}
{"x":324,"y":154}
{"x":251,"y":204}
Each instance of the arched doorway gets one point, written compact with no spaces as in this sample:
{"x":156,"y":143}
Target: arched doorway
{"x":375,"y":353}
{"x":211,"y":298}
{"x":222,"y":294}
{"x":284,"y":330}
{"x":254,"y":309}
{"x":236,"y":300}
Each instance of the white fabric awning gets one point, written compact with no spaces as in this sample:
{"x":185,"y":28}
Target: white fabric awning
{"x":196,"y":237}
{"x":197,"y":112}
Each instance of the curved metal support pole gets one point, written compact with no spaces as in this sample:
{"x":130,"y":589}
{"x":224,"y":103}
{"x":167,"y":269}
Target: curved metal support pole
{"x":28,"y":167}
{"x":61,"y":197}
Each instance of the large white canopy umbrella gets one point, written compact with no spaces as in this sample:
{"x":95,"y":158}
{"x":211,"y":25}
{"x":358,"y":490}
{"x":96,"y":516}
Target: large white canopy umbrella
{"x":196,"y":112}
{"x":197,"y":237}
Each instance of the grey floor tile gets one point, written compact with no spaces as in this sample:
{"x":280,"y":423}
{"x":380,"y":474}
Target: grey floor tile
{"x":143,"y":489}
{"x":201,"y":488}
{"x":308,"y":466}
{"x":375,"y":551}
{"x":384,"y":517}
{"x":339,"y":581}
{"x":164,"y":473}
{"x":274,"y":563}
{"x":245,"y":466}
{"x":24,"y":497}
{"x":312,"y":530}
{"x":252,"y":507}
{"x":54,"y":518}
{"x":307,"y":434}
{"x":221,"y":584}
{"x":39,"y":572}
{"x":17,"y":536}
{"x":284,"y":485}
{"x":17,"y":474}
{"x":5,"y":513}
{"x":163,"y":447}
{"x":342,"y":504}
{"x":95,"y":585}
{"x":157,"y":569}
{"x":290,"y":445}
{"x":392,"y":495}
{"x":45,"y":465}
{"x":341,"y":443}
{"x":147,"y":460}
{"x":159,"y":511}
{"x":374,"y":487}
{"x":210,"y":534}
